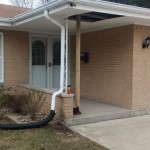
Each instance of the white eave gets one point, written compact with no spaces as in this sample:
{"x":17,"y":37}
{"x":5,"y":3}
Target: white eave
{"x":55,"y":5}
{"x":112,"y":8}
{"x":87,"y":5}
{"x":5,"y":21}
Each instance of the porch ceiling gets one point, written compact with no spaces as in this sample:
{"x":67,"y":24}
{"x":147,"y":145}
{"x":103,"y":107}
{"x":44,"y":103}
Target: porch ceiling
{"x":41,"y":25}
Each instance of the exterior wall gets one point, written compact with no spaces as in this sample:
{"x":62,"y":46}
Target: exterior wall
{"x":141,"y":70}
{"x":16,"y":57}
{"x":108,"y":75}
{"x":118,"y":71}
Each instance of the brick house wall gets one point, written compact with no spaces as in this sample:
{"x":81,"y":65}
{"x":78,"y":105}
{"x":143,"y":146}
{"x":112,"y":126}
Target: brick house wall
{"x":16,"y":57}
{"x":108,"y":75}
{"x":141,"y":70}
{"x":118,"y":71}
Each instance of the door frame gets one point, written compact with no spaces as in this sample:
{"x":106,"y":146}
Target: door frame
{"x":50,"y":40}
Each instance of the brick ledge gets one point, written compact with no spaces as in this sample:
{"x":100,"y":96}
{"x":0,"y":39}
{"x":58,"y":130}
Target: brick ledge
{"x":45,"y":90}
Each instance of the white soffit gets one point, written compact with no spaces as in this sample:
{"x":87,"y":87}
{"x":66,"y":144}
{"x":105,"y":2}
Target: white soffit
{"x":38,"y":23}
{"x":41,"y":24}
{"x":99,"y":25}
{"x":130,"y":15}
{"x":44,"y":26}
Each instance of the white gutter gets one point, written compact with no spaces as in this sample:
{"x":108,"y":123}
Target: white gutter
{"x":88,"y":5}
{"x":31,"y":13}
{"x":62,"y":58}
{"x":5,"y":21}
{"x":112,"y":8}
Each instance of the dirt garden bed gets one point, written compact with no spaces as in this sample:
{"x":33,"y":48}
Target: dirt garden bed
{"x":8,"y":114}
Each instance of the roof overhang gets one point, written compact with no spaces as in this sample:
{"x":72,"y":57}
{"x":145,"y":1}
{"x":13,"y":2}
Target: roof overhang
{"x":34,"y":20}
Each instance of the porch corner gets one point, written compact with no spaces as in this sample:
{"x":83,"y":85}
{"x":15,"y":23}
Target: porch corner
{"x":64,"y":103}
{"x":64,"y":109}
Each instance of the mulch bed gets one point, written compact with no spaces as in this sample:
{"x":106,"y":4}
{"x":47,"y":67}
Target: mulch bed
{"x":18,"y":118}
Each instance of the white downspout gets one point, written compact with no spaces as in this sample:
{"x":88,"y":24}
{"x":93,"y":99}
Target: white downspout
{"x":66,"y":53}
{"x":62,"y":58}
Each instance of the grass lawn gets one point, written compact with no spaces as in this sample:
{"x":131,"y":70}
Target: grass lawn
{"x":51,"y":137}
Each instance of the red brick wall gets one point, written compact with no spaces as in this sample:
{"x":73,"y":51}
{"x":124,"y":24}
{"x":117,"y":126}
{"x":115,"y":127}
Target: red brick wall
{"x":108,"y":75}
{"x":16,"y":57}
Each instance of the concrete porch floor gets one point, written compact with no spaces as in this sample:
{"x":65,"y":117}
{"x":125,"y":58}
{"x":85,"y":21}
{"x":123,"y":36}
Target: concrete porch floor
{"x":92,"y":111}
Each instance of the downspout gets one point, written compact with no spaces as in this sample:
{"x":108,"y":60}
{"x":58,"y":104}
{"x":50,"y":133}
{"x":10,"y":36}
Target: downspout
{"x":66,"y":54}
{"x":62,"y":58}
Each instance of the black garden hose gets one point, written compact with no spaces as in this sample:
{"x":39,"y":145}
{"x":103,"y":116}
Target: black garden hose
{"x":29,"y":125}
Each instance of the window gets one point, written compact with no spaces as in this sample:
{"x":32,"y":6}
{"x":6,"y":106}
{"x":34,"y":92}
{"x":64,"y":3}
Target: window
{"x":1,"y":59}
{"x":38,"y":53}
{"x":56,"y":53}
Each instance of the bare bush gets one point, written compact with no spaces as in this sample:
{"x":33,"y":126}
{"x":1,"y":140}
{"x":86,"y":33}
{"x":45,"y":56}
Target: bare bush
{"x":29,"y":102}
{"x":5,"y":93}
{"x":35,"y":102}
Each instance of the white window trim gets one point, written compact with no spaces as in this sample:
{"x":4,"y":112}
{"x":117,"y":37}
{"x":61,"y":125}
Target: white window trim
{"x":2,"y":80}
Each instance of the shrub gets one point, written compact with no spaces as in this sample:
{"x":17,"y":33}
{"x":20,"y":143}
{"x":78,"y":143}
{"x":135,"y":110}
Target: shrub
{"x":19,"y":102}
{"x":35,"y":102}
{"x":29,"y":102}
{"x":5,"y":93}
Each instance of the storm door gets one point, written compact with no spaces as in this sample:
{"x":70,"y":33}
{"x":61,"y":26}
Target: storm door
{"x":39,"y":62}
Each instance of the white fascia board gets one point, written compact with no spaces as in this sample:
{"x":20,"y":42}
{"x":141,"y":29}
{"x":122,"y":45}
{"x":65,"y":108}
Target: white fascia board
{"x":53,"y":7}
{"x":112,"y":8}
{"x":5,"y":22}
{"x":40,"y":11}
{"x":38,"y":16}
{"x":87,"y":5}
{"x":27,"y":20}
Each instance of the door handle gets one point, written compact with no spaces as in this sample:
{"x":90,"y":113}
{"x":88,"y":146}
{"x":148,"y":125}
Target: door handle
{"x":50,"y":64}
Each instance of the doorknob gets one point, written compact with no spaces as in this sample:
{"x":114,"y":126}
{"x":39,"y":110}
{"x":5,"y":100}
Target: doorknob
{"x":50,"y":64}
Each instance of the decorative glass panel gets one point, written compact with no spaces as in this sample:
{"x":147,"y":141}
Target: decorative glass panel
{"x":56,"y":53}
{"x":38,"y":53}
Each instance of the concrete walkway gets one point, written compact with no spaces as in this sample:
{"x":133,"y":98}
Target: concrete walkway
{"x":122,"y":134}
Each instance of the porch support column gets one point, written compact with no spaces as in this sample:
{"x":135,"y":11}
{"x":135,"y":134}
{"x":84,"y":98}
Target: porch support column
{"x":78,"y":47}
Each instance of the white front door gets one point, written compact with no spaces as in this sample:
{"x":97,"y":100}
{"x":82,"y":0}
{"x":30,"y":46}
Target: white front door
{"x":45,"y":62}
{"x":39,"y":62}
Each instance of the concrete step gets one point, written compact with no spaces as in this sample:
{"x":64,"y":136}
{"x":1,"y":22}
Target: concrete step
{"x":105,"y":117}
